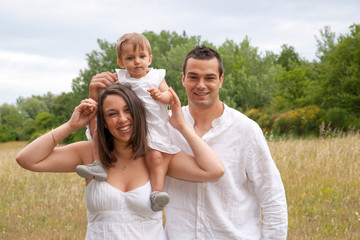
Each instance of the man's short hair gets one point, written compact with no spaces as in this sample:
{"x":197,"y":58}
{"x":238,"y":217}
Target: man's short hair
{"x":204,"y":53}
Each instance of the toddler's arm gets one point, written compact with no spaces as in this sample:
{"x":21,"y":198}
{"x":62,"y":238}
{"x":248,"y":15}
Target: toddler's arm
{"x":161,"y":94}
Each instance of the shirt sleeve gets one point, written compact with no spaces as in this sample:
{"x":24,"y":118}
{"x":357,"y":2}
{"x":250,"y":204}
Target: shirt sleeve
{"x":263,"y":173}
{"x":87,"y":133}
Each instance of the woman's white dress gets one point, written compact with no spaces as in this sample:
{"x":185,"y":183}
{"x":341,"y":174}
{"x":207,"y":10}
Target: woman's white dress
{"x":113,"y":214}
{"x":156,"y":113}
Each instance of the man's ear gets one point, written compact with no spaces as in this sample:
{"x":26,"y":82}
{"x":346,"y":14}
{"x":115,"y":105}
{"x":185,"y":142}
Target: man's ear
{"x":183,"y":80}
{"x":119,"y":62}
{"x":221,"y":80}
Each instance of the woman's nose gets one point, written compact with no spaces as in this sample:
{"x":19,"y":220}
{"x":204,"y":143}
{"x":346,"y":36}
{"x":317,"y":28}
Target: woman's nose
{"x":122,"y":117}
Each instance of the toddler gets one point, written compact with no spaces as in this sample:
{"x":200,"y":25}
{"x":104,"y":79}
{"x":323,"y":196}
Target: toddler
{"x":134,"y":57}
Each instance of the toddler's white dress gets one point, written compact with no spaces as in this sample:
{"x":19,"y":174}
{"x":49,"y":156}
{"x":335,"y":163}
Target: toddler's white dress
{"x":113,"y":214}
{"x":156,"y":112}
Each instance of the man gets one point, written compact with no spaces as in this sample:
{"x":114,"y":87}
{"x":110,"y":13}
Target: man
{"x":249,"y":201}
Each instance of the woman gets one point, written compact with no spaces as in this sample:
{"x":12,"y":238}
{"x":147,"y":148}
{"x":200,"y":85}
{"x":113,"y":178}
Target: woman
{"x":118,"y":208}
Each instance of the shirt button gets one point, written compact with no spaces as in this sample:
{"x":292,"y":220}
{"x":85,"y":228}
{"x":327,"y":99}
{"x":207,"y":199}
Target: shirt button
{"x":199,"y":230}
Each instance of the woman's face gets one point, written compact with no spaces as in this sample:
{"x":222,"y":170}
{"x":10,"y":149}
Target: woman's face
{"x":118,"y":118}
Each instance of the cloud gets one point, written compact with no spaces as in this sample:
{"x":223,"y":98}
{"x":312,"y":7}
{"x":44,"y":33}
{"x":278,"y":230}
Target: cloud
{"x":44,"y":43}
{"x":22,"y":73}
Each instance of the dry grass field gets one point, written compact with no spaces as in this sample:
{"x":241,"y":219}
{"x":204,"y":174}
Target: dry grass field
{"x":321,"y":178}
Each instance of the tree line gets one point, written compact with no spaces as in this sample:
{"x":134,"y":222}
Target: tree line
{"x":283,"y":92}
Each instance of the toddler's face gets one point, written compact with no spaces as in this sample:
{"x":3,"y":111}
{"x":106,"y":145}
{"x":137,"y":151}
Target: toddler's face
{"x":135,"y":61}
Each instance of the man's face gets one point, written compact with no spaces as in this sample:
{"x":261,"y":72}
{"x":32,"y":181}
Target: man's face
{"x":202,"y":82}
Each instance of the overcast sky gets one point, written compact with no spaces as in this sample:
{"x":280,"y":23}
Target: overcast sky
{"x":43,"y":44}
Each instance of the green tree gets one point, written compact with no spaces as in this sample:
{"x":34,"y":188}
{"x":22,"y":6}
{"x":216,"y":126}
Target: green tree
{"x":63,"y":107}
{"x":248,"y":76}
{"x":103,"y":60}
{"x":338,"y":71}
{"x":6,"y":134}
{"x":292,"y":89}
{"x":32,"y":106}
{"x":12,"y":119}
{"x":325,"y":43}
{"x":44,"y":121}
{"x":288,"y":58}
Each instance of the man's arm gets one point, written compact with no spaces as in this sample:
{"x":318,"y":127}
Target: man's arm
{"x":269,"y":189}
{"x":98,"y":83}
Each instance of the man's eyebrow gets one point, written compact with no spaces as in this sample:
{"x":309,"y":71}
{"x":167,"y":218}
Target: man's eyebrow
{"x":193,"y":73}
{"x":207,"y":75}
{"x":211,"y":75}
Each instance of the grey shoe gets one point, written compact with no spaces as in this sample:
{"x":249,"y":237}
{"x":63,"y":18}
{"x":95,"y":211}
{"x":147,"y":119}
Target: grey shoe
{"x":92,"y":171}
{"x":159,"y":200}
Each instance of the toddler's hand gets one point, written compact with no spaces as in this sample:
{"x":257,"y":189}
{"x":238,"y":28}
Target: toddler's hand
{"x":155,"y":93}
{"x":82,"y":114}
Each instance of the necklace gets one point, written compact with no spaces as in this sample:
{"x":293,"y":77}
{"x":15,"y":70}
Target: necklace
{"x":124,"y":162}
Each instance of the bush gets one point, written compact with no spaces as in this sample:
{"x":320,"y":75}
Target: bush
{"x":266,"y":122}
{"x":6,"y":135}
{"x":300,"y":121}
{"x":338,"y":119}
{"x":289,"y":122}
{"x":254,"y":114}
{"x":311,"y":120}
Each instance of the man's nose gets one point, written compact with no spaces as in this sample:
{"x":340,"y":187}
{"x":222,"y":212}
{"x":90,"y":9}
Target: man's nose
{"x":201,"y":84}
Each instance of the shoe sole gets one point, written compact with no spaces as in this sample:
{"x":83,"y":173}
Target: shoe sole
{"x":85,"y":174}
{"x":160,"y":202}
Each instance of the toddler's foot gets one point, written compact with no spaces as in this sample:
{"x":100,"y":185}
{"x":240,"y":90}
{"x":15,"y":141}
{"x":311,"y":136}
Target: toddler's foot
{"x":92,"y":171}
{"x":159,"y":200}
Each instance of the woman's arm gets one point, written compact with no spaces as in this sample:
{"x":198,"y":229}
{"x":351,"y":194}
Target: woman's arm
{"x":41,"y":154}
{"x":205,"y":165}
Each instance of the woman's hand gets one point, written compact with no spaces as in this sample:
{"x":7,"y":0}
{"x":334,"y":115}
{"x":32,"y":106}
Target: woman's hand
{"x":42,"y":155}
{"x":83,"y":113}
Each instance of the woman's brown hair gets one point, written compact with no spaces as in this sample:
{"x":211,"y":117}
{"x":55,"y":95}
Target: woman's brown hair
{"x":137,"y":141}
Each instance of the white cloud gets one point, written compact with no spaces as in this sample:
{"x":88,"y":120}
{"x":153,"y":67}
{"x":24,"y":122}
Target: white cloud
{"x":24,"y":75}
{"x":44,"y":43}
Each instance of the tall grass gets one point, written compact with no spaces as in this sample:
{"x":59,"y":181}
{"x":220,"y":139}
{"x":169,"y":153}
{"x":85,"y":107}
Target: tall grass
{"x":322,"y":184}
{"x":39,"y":205}
{"x":321,"y":178}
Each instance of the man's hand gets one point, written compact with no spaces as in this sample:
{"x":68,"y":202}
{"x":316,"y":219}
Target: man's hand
{"x":99,"y":82}
{"x":176,"y":119}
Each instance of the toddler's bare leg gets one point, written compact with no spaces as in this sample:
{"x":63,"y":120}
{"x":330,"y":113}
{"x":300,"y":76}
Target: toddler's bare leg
{"x":154,"y":162}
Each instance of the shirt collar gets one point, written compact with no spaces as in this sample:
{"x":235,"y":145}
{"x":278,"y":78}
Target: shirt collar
{"x":215,"y":122}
